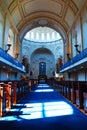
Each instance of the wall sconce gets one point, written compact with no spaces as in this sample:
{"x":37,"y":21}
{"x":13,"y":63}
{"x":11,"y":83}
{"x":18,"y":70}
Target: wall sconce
{"x":8,"y":47}
{"x":16,"y":55}
{"x":76,"y":46}
{"x":68,"y":56}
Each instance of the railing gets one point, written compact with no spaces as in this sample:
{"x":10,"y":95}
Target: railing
{"x":77,"y":58}
{"x":9,"y":59}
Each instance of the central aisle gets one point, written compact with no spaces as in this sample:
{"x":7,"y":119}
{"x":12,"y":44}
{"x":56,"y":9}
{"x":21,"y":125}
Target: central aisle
{"x":44,"y":109}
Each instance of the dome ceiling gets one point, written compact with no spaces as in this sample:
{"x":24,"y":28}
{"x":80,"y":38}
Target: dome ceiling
{"x":42,"y":34}
{"x":28,"y":14}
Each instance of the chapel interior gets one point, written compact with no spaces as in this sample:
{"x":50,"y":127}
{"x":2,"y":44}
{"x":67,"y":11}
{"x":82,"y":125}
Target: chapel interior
{"x":43,"y":42}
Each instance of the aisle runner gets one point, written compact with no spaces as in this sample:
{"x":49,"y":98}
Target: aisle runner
{"x":44,"y":108}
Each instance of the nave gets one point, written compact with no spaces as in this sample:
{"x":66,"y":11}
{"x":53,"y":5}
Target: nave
{"x":43,"y":108}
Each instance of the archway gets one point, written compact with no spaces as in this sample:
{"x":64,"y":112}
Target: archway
{"x":42,"y":55}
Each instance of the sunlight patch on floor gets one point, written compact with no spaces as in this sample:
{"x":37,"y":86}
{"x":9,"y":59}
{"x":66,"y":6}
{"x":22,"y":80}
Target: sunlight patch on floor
{"x":41,"y":86}
{"x":44,"y":90}
{"x":40,"y":110}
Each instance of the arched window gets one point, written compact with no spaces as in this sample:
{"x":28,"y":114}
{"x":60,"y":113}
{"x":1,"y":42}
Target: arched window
{"x":53,"y":35}
{"x":11,"y":41}
{"x":48,"y":36}
{"x":37,"y":36}
{"x":1,"y":29}
{"x":32,"y":35}
{"x":42,"y":36}
{"x":85,"y":34}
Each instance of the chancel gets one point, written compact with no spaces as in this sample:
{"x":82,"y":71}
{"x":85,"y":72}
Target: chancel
{"x":43,"y":64}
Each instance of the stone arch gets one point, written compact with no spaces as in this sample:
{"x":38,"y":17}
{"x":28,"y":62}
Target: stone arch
{"x":42,"y":55}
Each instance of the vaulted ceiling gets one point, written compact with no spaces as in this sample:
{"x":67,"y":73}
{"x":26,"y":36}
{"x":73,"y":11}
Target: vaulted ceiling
{"x":27,"y":14}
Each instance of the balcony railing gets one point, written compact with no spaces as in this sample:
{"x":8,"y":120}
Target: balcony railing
{"x":74,"y":60}
{"x":9,"y":60}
